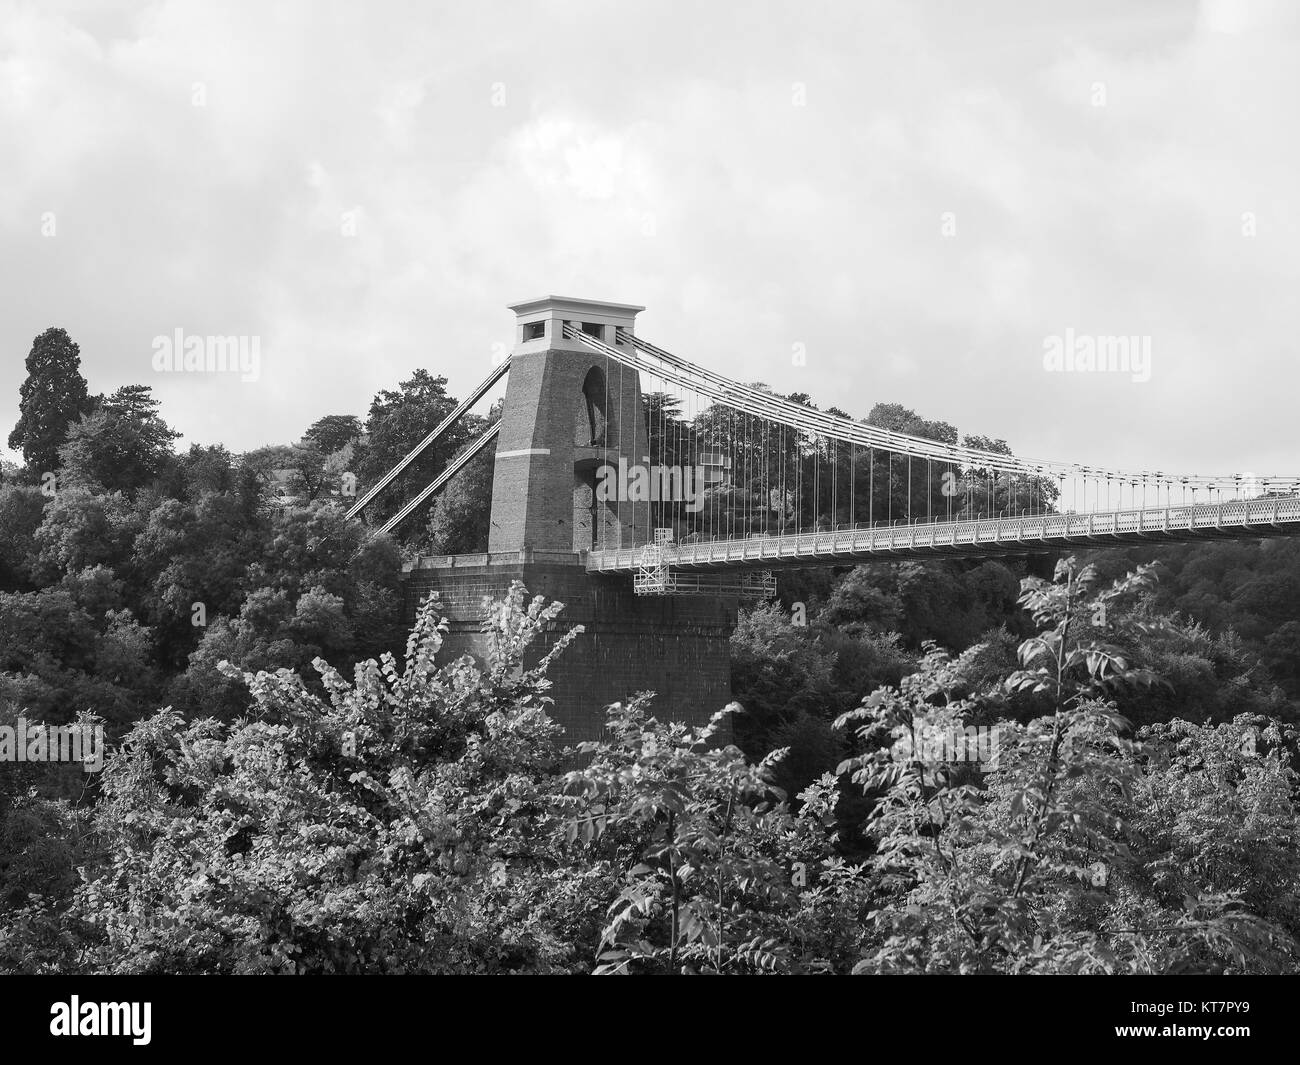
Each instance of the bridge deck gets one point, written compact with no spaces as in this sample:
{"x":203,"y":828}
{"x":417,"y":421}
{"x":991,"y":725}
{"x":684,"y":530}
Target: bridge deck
{"x":1237,"y":520}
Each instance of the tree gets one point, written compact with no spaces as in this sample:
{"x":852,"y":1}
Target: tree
{"x":22,"y":509}
{"x":194,"y":555}
{"x":1037,"y":860}
{"x":697,"y":819}
{"x":81,"y":528}
{"x":284,"y":471}
{"x":203,"y":471}
{"x":406,"y":801}
{"x":462,"y":511}
{"x":334,"y":432}
{"x":53,"y":396}
{"x":121,"y":447}
{"x":398,"y":421}
{"x":864,"y":598}
{"x":136,"y":405}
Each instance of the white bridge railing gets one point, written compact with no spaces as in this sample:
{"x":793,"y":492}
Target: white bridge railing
{"x":966,"y":537}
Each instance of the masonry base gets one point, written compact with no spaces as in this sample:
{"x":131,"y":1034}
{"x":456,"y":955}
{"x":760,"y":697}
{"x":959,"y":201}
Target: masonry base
{"x":677,"y":648}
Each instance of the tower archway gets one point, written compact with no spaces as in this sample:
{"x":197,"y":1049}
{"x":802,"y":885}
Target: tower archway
{"x":591,"y":426}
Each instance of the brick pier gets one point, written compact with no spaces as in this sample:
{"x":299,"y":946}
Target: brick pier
{"x":678,"y":648}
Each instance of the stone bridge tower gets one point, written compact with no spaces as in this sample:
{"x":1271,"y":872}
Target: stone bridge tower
{"x":567,"y":410}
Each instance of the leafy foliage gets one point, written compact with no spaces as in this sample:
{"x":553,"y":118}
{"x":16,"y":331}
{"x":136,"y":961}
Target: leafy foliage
{"x":1042,"y":867}
{"x":422,"y":816}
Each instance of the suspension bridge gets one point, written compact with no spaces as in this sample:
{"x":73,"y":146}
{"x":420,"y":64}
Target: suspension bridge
{"x":650,"y":494}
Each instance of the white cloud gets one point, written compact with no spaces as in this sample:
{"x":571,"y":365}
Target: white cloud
{"x":632,"y":161}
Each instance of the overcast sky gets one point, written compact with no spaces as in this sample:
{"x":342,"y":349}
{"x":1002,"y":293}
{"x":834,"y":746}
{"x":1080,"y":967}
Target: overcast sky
{"x":920,"y":194}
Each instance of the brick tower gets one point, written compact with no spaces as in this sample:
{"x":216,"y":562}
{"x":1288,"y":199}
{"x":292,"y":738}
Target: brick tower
{"x":567,"y":410}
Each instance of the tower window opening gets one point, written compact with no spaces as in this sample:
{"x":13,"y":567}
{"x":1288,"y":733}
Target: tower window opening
{"x":592,"y":329}
{"x":591,"y":422}
{"x":535,"y":330}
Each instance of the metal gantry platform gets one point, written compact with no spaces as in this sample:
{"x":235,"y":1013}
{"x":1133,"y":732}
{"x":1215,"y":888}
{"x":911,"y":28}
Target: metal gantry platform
{"x":656,"y":575}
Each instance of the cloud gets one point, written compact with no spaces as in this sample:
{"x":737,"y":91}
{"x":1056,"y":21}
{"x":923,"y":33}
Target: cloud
{"x":365,"y":190}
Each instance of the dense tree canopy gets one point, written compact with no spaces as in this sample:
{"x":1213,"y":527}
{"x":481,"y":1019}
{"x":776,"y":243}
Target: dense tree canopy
{"x":419,"y":818}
